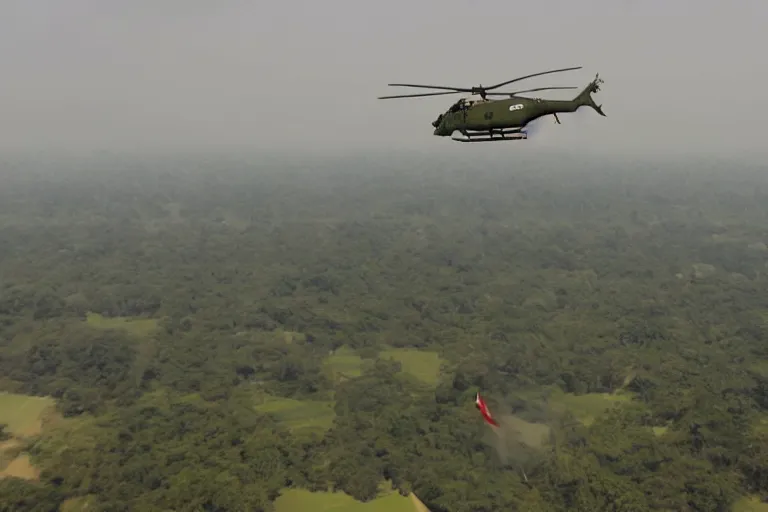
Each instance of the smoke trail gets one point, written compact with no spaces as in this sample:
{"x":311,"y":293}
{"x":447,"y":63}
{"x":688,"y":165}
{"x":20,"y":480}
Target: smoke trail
{"x":533,"y":129}
{"x":538,"y":127}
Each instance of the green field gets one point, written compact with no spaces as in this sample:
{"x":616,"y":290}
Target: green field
{"x":136,"y":326}
{"x":79,"y":504}
{"x":23,"y":416}
{"x":760,"y":425}
{"x":289,"y":336}
{"x":23,"y":413}
{"x":301,"y":416}
{"x":586,"y":408}
{"x":20,"y":467}
{"x":423,"y":365}
{"x":344,"y":363}
{"x":298,"y":500}
{"x":750,"y":504}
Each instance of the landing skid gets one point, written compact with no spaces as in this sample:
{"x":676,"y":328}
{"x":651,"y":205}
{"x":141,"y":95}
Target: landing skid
{"x":501,"y":135}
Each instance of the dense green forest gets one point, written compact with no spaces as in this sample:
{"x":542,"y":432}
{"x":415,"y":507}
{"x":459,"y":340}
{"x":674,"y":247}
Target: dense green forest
{"x":216,"y":331}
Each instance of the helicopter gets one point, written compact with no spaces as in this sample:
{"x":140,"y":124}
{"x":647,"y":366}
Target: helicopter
{"x":491,"y":120}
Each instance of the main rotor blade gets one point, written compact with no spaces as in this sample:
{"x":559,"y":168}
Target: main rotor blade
{"x":527,"y":90}
{"x":417,"y":95}
{"x":531,"y":76}
{"x":454,"y":89}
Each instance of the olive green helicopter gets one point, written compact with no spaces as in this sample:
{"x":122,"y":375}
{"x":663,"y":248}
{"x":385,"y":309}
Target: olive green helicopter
{"x":491,"y":120}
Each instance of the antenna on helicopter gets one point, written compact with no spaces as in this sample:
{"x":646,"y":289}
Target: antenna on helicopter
{"x":483,"y":92}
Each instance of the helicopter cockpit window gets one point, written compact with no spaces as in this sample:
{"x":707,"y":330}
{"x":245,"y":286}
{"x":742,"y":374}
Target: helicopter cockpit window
{"x":456,"y":107}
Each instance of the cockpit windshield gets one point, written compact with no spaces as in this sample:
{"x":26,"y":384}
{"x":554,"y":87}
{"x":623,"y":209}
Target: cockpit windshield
{"x":459,"y":105}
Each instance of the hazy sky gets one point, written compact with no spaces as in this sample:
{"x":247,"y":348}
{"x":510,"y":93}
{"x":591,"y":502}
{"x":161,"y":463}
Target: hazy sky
{"x":683,"y":75}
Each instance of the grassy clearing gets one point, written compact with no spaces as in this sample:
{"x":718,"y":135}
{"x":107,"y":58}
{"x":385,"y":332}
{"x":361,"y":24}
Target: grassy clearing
{"x":299,"y":500}
{"x":750,"y":504}
{"x":586,"y":408}
{"x":289,"y":336}
{"x":344,"y":364}
{"x":142,"y":327}
{"x":301,"y":416}
{"x":418,"y":506}
{"x":760,"y":368}
{"x":23,"y":414}
{"x":20,"y":467}
{"x":423,"y":365}
{"x":760,"y":425}
{"x":79,"y":504}
{"x":9,"y":451}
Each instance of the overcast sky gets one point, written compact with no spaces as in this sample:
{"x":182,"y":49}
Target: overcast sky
{"x":682,"y":75}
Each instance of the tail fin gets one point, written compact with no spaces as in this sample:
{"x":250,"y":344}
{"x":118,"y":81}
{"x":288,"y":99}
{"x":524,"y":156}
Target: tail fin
{"x":584,"y":99}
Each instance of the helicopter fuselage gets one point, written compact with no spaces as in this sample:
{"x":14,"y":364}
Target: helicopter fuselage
{"x":479,"y":119}
{"x":487,"y":115}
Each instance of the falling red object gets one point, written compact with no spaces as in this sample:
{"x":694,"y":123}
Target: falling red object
{"x":480,"y":403}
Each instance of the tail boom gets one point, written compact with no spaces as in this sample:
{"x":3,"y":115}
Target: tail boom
{"x":584,"y":99}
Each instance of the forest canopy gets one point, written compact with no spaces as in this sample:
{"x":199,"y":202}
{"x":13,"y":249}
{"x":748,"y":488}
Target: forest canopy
{"x":216,"y":333}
